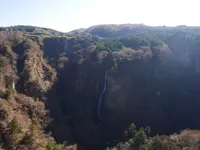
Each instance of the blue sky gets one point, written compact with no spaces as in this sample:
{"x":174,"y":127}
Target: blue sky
{"x":66,"y":15}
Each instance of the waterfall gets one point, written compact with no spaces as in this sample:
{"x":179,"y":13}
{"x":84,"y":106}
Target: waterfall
{"x":104,"y":90}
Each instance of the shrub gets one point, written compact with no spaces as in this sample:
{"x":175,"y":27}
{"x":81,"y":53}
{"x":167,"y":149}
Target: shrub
{"x":163,"y":143}
{"x":13,"y":127}
{"x":27,"y":140}
{"x":53,"y":146}
{"x":3,"y":62}
{"x":37,"y":112}
{"x":30,"y":44}
{"x":3,"y":113}
{"x":143,"y":147}
{"x":8,"y":93}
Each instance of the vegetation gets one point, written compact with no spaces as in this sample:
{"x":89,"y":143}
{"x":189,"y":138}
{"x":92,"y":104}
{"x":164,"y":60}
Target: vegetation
{"x":3,"y":63}
{"x":108,"y":45}
{"x":13,"y":127}
{"x":53,"y":146}
{"x":135,"y":41}
{"x":140,"y":140}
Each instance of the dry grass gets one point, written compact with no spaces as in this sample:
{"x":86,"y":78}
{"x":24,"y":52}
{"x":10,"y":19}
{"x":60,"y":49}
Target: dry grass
{"x":190,"y":132}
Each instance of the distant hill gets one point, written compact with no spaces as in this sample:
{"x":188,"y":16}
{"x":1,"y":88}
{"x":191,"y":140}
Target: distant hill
{"x":33,"y":30}
{"x":114,"y":30}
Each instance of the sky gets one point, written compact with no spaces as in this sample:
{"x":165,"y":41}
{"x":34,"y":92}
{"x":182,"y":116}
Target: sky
{"x":67,"y":15}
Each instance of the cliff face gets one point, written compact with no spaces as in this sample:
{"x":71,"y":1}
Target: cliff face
{"x":152,"y":81}
{"x":149,"y":94}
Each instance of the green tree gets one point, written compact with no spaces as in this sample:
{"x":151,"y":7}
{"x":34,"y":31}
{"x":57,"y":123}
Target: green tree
{"x":109,"y":45}
{"x":140,"y":137}
{"x":129,"y":132}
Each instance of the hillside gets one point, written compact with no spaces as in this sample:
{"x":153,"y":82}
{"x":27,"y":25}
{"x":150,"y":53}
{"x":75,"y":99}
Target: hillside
{"x":81,"y":90}
{"x":120,"y":30}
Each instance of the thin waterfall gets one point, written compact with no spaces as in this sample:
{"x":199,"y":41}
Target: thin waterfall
{"x":100,"y":100}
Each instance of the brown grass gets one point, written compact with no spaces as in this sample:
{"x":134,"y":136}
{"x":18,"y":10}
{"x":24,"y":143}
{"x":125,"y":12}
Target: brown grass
{"x":190,"y":132}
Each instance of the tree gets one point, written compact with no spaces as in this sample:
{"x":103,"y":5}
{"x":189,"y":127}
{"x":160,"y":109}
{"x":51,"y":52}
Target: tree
{"x":140,"y":138}
{"x":109,"y":45}
{"x":3,"y":62}
{"x":129,"y":132}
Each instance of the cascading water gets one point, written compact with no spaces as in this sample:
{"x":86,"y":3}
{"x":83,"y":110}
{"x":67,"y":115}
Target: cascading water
{"x":100,"y":100}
